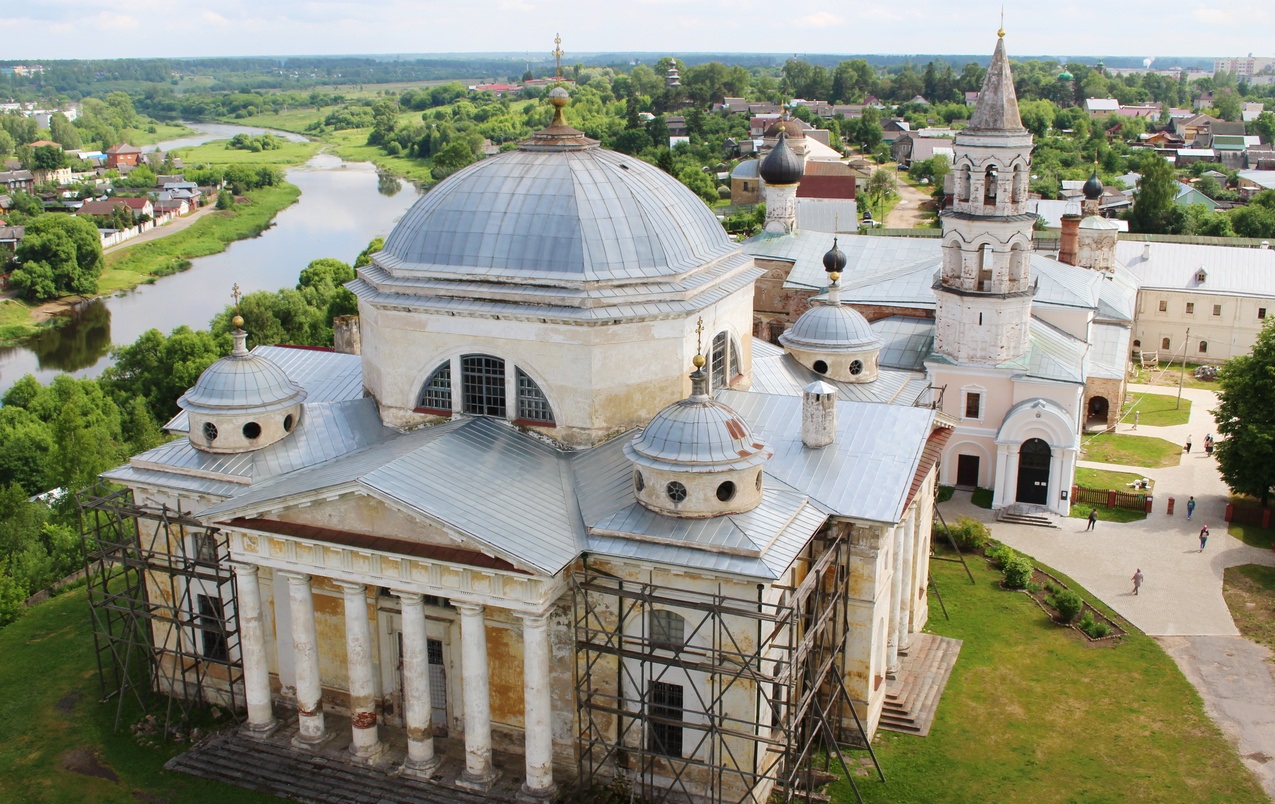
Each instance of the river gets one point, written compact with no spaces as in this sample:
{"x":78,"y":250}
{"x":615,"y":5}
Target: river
{"x":343,"y":205}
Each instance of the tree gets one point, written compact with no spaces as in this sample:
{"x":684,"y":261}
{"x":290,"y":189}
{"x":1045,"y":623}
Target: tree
{"x":1246,"y":419}
{"x":49,"y":157}
{"x":1154,"y":211}
{"x":63,"y":132}
{"x":60,"y":255}
{"x":1228,"y":106}
{"x":699,"y":182}
{"x":881,"y":185}
{"x":158,"y":369}
{"x":453,"y":156}
{"x":1263,"y":126}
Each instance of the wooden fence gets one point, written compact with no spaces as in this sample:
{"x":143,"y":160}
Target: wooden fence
{"x":1248,"y":515}
{"x":1107,"y":498}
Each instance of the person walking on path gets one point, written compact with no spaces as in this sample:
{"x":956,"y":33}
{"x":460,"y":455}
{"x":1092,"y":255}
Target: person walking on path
{"x":1204,"y":537}
{"x":1137,"y":580}
{"x":1188,"y":445}
{"x":1093,"y":518}
{"x":1190,"y":507}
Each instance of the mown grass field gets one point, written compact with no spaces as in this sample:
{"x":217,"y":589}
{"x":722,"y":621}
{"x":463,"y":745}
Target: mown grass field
{"x":216,"y":153}
{"x":51,"y":723}
{"x":1250,"y":595}
{"x":1168,"y":375}
{"x":289,"y":120}
{"x":1034,"y":713}
{"x":1157,"y":410}
{"x":1106,"y":480}
{"x":1131,"y":450}
{"x":162,"y":132}
{"x":351,"y":145}
{"x":15,"y":321}
{"x":129,"y":267}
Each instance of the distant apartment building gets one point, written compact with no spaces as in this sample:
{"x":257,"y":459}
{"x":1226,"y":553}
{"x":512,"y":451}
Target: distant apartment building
{"x":1245,"y":66}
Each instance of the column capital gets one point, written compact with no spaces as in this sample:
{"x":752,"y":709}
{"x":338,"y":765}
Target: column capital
{"x":242,"y":568}
{"x":533,"y":620}
{"x":295,"y":578}
{"x":409,"y":598}
{"x":1013,"y":448}
{"x":469,"y":609}
{"x":351,"y":588}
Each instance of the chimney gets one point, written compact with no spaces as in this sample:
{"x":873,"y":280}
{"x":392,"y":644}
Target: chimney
{"x":1146,"y":251}
{"x":345,"y":335}
{"x":818,"y":415}
{"x":1068,"y":247}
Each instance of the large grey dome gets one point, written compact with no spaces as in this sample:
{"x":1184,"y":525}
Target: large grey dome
{"x":697,"y":434}
{"x":831,"y":328}
{"x":242,"y":382}
{"x":560,"y":216}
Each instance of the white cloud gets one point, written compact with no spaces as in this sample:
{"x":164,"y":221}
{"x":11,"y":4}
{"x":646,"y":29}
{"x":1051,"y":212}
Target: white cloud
{"x":820,"y":19}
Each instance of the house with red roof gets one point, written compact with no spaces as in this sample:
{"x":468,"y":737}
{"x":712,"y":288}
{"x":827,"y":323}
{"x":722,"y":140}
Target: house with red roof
{"x":123,"y":154}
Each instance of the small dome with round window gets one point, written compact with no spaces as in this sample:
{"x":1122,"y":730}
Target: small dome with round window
{"x":241,"y":402}
{"x":834,"y":340}
{"x":698,"y":457}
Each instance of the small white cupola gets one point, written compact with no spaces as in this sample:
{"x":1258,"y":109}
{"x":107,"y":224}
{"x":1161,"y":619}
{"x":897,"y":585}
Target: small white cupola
{"x":833,"y":340}
{"x":697,"y":458}
{"x":243,"y":402}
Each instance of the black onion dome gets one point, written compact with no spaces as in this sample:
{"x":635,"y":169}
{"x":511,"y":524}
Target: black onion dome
{"x":1093,"y":188}
{"x":834,"y":261}
{"x":782,"y":165}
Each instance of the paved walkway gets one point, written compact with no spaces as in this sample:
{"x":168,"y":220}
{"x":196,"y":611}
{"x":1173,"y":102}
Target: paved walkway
{"x":1181,"y":598}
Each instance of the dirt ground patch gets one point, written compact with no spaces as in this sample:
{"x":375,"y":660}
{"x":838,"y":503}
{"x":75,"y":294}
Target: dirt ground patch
{"x":67,"y":702}
{"x":1249,"y":591}
{"x":84,"y":762}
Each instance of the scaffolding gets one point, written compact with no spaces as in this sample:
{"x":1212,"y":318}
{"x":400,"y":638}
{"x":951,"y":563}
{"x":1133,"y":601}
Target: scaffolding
{"x":162,"y":599}
{"x":769,"y":703}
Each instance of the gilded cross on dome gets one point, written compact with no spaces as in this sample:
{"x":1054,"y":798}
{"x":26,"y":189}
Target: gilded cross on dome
{"x":557,"y":55}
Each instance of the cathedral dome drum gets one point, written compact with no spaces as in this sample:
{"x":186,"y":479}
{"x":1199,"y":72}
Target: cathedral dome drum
{"x":241,"y":402}
{"x":698,"y":458}
{"x":833,"y":340}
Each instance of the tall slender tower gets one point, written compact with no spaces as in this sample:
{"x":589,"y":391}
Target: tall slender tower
{"x":985,"y":292}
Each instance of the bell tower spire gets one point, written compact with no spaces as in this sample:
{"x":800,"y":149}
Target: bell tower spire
{"x":985,"y":291}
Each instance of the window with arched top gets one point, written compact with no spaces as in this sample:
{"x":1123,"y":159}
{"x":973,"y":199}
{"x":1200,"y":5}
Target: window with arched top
{"x":482,"y":379}
{"x":668,"y":629}
{"x":533,"y":406}
{"x":436,"y":396}
{"x":724,"y":361}
{"x":1020,"y":184}
{"x":1204,"y":346}
{"x":963,"y":185}
{"x":984,"y":266}
{"x":989,"y":186}
{"x":1164,"y":343}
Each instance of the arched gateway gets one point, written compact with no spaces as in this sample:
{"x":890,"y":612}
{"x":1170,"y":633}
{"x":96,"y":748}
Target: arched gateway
{"x":1033,"y":472}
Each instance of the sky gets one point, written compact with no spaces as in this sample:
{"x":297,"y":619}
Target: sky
{"x":68,"y":29}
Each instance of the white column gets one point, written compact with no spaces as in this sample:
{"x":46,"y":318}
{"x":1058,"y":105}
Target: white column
{"x":365,"y":741}
{"x":479,"y":773}
{"x":896,"y":596}
{"x":1053,"y":492}
{"x":908,"y":570}
{"x":1011,"y":475}
{"x":305,"y":647}
{"x":252,"y":649}
{"x":537,"y":708}
{"x":417,"y":706}
{"x":1068,"y":477}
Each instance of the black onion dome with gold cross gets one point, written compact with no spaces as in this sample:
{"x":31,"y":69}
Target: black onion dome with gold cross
{"x":782,"y":165}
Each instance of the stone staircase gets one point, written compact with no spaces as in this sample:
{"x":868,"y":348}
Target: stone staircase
{"x":912,"y":697}
{"x":1020,"y":514}
{"x":268,"y":767}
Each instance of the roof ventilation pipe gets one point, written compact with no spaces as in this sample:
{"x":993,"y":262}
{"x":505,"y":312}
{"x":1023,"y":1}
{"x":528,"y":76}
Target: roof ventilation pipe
{"x":818,"y":415}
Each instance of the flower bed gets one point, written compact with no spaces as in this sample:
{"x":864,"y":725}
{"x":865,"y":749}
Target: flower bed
{"x":1044,"y":589}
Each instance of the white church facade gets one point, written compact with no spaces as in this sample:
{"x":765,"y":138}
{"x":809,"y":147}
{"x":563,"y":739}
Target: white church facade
{"x":564,"y":520}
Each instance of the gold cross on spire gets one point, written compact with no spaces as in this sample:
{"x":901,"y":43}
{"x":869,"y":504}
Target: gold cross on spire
{"x":1001,"y":32}
{"x":699,"y":336}
{"x":236,"y":295}
{"x":557,"y":55}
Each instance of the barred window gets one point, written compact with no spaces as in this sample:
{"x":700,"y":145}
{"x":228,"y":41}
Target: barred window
{"x":205,"y":547}
{"x":668,"y":629}
{"x":666,"y":703}
{"x":483,"y":385}
{"x":437,"y":395}
{"x":211,"y":622}
{"x":532,"y":404}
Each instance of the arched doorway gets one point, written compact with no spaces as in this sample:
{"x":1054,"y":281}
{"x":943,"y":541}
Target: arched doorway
{"x":1033,"y":472}
{"x":1099,"y":407}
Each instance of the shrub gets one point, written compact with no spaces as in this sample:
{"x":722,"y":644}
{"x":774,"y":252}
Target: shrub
{"x":1018,"y":572}
{"x":1000,"y":554}
{"x":1069,"y":605}
{"x":1096,"y":629}
{"x":970,"y":534}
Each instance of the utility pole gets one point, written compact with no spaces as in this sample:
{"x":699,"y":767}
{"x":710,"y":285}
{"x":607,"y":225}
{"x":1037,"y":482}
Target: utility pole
{"x":1182,"y":376}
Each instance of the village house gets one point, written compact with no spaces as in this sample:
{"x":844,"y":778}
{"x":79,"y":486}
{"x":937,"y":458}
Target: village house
{"x":123,"y":155}
{"x":17,"y":181}
{"x":139,"y":207}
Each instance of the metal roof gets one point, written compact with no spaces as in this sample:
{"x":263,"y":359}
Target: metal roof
{"x":557,"y":217}
{"x":908,"y":341}
{"x":1175,"y":266}
{"x":697,"y":434}
{"x":831,"y":328}
{"x":775,"y":372}
{"x":1109,"y":355}
{"x":242,"y":382}
{"x":864,"y":474}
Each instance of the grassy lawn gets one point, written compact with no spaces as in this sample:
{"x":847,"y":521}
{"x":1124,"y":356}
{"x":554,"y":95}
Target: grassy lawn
{"x":1157,"y":410}
{"x":351,"y":145}
{"x":294,"y":120}
{"x":49,"y":714}
{"x":128,"y":267}
{"x":1105,"y":514}
{"x":216,"y":153}
{"x":982,"y":497}
{"x":161,"y":133}
{"x":15,"y":321}
{"x":1250,"y":595}
{"x":1169,"y":373}
{"x":1254,"y":535}
{"x":1131,"y":450}
{"x":1033,"y":713}
{"x":1107,"y":480}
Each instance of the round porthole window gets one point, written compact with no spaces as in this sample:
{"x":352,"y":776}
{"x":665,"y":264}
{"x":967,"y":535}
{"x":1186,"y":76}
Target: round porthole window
{"x":252,"y":430}
{"x":287,"y":423}
{"x":856,"y":367}
{"x":820,"y":366}
{"x":726,"y":491}
{"x":759,"y":480}
{"x":638,"y":482}
{"x":676,"y":491}
{"x":210,"y":431}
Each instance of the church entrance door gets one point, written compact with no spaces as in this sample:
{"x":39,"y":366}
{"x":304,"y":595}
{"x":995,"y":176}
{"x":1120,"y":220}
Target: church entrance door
{"x":1034,"y":458}
{"x":967,"y":471}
